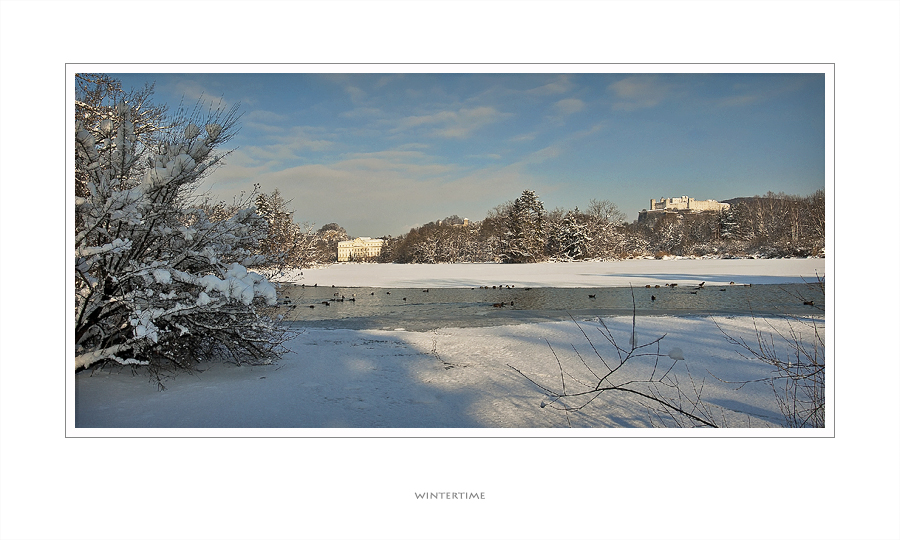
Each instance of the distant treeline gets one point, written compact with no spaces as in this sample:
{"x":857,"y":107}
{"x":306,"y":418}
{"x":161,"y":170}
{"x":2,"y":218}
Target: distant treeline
{"x":772,"y":225}
{"x":521,"y":230}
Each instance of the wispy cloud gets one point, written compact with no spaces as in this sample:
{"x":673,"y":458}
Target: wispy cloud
{"x":568,"y":106}
{"x":357,"y":95}
{"x":562,"y":109}
{"x":525,"y":137}
{"x":263,"y":120}
{"x":596,"y":128}
{"x":748,"y":94}
{"x":452,"y":124}
{"x":387,"y":79}
{"x":361,"y":113}
{"x":413,"y":146}
{"x":542,"y":155}
{"x":639,"y":92}
{"x":738,"y":101}
{"x":286,"y":146}
{"x":305,"y":137}
{"x":405,"y":163}
{"x":192,"y":91}
{"x":560,"y":85}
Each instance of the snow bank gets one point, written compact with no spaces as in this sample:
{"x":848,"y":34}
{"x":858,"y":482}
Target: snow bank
{"x":638,"y":272}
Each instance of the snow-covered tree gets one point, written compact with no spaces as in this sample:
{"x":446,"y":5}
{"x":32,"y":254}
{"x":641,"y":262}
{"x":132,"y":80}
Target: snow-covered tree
{"x":95,"y":97}
{"x":524,"y":236}
{"x":728,"y":225}
{"x":667,"y":234}
{"x":604,"y":227}
{"x":157,"y":281}
{"x":286,"y":244}
{"x":327,"y":238}
{"x":568,"y":238}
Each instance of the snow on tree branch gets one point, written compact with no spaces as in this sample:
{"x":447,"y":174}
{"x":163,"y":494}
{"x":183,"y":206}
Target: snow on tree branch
{"x":153,"y":270}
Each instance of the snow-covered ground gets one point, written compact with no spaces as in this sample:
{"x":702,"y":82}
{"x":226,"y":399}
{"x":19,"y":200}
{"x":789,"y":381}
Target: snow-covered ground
{"x":460,"y":377}
{"x":637,"y":272}
{"x":449,"y":378}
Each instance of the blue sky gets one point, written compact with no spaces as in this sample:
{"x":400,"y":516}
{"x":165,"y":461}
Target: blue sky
{"x":381,"y":153}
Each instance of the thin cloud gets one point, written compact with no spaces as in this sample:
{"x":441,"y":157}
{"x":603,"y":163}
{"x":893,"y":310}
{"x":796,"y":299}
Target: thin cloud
{"x":455,"y":124}
{"x":262,"y":115}
{"x":590,"y":131}
{"x":542,"y":155}
{"x":361,"y":112}
{"x":738,"y":101}
{"x":193,"y":91}
{"x":638,"y":92}
{"x":357,"y":95}
{"x":561,"y":85}
{"x":413,"y":146}
{"x":263,"y":120}
{"x":744,"y":96}
{"x":568,"y":106}
{"x":525,"y":137}
{"x":387,"y":79}
{"x":304,"y":138}
{"x":287,"y":146}
{"x":405,"y":163}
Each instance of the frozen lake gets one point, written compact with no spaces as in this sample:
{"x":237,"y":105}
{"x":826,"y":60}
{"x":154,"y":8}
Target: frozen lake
{"x":418,"y":309}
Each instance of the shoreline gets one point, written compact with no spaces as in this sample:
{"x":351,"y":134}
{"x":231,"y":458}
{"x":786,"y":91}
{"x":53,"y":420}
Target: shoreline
{"x":618,"y":273}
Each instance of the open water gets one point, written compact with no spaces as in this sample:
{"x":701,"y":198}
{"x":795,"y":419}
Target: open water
{"x":426,"y":309}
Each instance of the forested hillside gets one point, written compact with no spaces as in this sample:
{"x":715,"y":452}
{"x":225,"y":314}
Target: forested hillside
{"x":772,"y":225}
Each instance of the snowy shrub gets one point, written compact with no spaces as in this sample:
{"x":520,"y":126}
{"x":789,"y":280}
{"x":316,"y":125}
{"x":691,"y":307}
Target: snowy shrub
{"x":158,"y":280}
{"x":797,"y":361}
{"x":658,"y":380}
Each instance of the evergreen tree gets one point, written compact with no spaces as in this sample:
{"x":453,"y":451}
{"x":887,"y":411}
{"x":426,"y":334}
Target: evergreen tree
{"x":524,"y":234}
{"x":728,"y":225}
{"x":573,"y":238}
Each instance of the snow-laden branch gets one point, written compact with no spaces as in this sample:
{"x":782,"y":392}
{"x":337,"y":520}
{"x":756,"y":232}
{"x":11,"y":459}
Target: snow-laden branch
{"x":87,"y":359}
{"x":149,"y":264}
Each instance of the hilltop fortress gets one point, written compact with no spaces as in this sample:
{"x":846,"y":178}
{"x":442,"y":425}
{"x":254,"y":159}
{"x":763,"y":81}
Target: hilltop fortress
{"x":679,"y":205}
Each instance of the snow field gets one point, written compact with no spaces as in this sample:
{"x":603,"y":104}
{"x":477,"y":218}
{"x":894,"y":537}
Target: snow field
{"x":636,"y":272}
{"x":449,"y":378}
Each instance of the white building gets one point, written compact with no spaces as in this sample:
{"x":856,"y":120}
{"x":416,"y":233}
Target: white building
{"x":687,"y":203}
{"x":679,"y":206}
{"x":359,"y":249}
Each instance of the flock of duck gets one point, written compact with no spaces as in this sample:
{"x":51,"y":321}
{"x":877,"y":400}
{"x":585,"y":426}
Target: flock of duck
{"x":290,"y":305}
{"x":338,"y":297}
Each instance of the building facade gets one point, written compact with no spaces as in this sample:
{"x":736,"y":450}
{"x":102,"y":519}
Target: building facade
{"x":359,"y":249}
{"x":687,"y":203}
{"x":680,"y":206}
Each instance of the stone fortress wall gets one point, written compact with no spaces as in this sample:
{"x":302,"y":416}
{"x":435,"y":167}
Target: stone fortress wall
{"x":678,"y":205}
{"x":687,"y":203}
